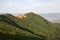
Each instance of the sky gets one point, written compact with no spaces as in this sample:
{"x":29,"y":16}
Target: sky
{"x":24,"y":6}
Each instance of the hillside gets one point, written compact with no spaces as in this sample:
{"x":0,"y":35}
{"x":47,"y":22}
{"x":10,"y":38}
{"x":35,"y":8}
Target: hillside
{"x":53,"y":17}
{"x":33,"y":27}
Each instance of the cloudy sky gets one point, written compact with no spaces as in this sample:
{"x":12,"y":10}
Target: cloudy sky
{"x":23,"y":6}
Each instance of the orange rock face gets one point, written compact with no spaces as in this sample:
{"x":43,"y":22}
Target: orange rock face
{"x":21,"y":16}
{"x":24,"y":16}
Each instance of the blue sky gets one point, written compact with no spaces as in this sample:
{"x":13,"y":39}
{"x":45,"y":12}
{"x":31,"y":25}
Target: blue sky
{"x":24,"y":6}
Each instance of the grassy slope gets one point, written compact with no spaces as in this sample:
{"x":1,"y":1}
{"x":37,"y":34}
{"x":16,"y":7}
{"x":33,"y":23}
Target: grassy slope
{"x":10,"y":30}
{"x":34,"y":25}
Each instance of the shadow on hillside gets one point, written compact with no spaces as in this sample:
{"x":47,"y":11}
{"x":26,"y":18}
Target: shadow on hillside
{"x":9,"y":21}
{"x":5,"y":36}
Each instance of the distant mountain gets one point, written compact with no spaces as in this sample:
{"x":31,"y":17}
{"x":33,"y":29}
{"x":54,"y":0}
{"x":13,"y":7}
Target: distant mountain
{"x":54,"y":17}
{"x":1,"y":13}
{"x":33,"y":27}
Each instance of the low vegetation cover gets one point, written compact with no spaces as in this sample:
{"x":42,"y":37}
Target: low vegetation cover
{"x":33,"y":27}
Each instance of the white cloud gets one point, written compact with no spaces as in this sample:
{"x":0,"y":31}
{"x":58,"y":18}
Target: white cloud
{"x":30,"y":0}
{"x":38,"y":6}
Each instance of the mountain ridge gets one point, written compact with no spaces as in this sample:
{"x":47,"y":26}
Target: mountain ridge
{"x":53,"y":17}
{"x":32,"y":26}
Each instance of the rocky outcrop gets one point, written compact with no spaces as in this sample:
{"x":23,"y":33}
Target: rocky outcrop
{"x":21,"y":16}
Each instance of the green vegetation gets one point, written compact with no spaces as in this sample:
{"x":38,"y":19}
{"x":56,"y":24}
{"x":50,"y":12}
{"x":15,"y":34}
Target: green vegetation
{"x":33,"y":27}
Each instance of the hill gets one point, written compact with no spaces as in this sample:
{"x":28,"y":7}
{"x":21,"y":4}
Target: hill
{"x":53,"y":17}
{"x":33,"y":27}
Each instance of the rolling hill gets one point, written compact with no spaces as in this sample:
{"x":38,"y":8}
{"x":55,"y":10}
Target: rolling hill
{"x":53,"y":17}
{"x":33,"y":27}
